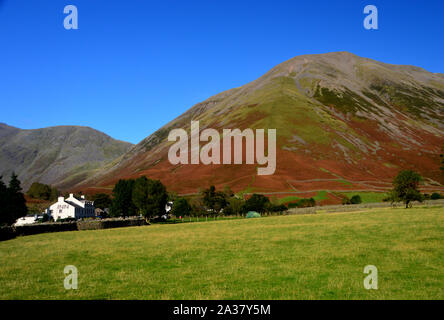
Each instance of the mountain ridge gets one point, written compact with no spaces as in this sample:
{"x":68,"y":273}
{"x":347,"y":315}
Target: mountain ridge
{"x":337,"y":112}
{"x":57,"y":155}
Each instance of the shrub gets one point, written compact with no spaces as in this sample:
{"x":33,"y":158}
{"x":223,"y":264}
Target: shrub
{"x":181,"y":207}
{"x":257,"y":202}
{"x":303,"y":203}
{"x":198,"y":207}
{"x":435,"y":196}
{"x":276,"y":207}
{"x":356,"y":199}
{"x":7,"y":233}
{"x":42,"y":191}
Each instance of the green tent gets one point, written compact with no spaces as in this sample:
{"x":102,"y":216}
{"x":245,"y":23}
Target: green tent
{"x":253,"y":214}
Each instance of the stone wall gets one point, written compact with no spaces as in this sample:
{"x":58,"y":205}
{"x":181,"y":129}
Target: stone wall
{"x":7,"y":233}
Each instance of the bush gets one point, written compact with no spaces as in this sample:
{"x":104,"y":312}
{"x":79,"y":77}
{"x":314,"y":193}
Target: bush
{"x":181,"y":207}
{"x":7,"y":233}
{"x":356,"y":199}
{"x":29,"y":229}
{"x":270,"y":207}
{"x":110,"y":223}
{"x":198,"y":207}
{"x":279,"y":208}
{"x":303,"y":203}
{"x":435,"y":196}
{"x":214,"y":200}
{"x":257,"y":202}
{"x":42,"y":191}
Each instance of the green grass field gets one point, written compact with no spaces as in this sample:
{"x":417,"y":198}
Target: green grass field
{"x":320,"y":195}
{"x":367,"y":197}
{"x":318,"y":256}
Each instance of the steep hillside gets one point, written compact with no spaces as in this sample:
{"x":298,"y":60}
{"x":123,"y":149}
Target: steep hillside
{"x":61,"y":156}
{"x":338,"y":117}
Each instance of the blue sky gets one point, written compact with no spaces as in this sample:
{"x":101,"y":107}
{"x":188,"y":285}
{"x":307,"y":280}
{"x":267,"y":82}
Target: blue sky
{"x":134,"y":65}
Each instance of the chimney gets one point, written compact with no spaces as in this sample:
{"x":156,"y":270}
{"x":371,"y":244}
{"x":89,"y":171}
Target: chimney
{"x":83,"y":197}
{"x":71,"y":195}
{"x":61,"y":199}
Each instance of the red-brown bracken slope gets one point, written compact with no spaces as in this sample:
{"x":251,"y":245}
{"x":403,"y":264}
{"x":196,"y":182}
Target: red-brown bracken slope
{"x":343,"y":123}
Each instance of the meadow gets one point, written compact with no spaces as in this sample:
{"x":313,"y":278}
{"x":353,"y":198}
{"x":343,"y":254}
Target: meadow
{"x":367,"y":197}
{"x":319,"y":256}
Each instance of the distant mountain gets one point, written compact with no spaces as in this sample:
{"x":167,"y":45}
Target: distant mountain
{"x":61,"y":156}
{"x":338,"y":117}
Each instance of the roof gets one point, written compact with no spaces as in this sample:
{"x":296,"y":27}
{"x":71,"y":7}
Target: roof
{"x":73,"y":204}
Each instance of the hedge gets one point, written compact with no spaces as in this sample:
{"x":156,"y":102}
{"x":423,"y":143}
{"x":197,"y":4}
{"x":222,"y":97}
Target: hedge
{"x":7,"y":233}
{"x":29,"y":229}
{"x":110,"y":223}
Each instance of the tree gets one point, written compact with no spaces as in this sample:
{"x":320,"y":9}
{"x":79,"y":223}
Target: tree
{"x":54,"y":194}
{"x":442,"y":162}
{"x":122,"y":203}
{"x":435,"y":196}
{"x":42,"y":191}
{"x":235,"y":205}
{"x":37,"y":208}
{"x":181,"y":207}
{"x":198,"y":208}
{"x":214,"y":200}
{"x":257,"y":202}
{"x":228,"y":192}
{"x":356,"y":199}
{"x":149,"y":197}
{"x":305,"y":203}
{"x":3,"y":199}
{"x":208,"y":197}
{"x":13,"y":203}
{"x":14,"y":184}
{"x":101,"y":200}
{"x":346,"y":200}
{"x":271,"y":207}
{"x":39,"y":191}
{"x":406,"y":188}
{"x":172,"y":196}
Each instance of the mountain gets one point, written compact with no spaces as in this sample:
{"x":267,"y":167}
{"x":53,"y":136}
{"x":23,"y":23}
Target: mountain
{"x":61,"y":156}
{"x":343,"y":122}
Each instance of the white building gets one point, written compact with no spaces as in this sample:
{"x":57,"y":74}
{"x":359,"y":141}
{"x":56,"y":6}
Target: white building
{"x":168,"y":206}
{"x":29,"y":219}
{"x":72,"y":207}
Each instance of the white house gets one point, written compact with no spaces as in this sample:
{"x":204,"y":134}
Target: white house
{"x":168,"y":206}
{"x":72,"y":207}
{"x":28,"y":219}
